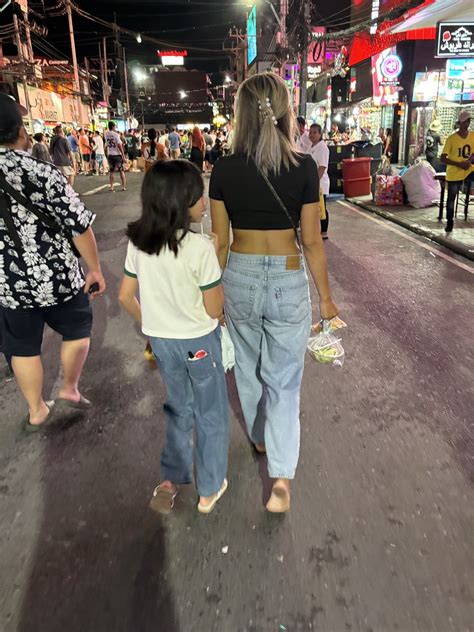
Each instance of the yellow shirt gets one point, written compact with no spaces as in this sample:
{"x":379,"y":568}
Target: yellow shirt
{"x":459,"y":149}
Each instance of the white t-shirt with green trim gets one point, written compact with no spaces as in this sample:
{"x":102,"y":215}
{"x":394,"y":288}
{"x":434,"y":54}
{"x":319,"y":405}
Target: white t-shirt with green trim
{"x":171,"y":287}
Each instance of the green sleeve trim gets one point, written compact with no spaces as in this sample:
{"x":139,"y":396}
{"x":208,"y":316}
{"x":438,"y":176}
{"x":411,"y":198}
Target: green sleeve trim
{"x":130,"y":274}
{"x":210,"y":286}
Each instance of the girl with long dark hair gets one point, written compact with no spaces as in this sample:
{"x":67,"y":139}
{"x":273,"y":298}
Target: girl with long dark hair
{"x":181,"y":300}
{"x":198,"y":147}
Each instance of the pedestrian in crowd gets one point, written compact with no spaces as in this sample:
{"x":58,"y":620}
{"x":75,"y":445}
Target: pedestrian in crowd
{"x":319,"y":152}
{"x":229,"y":138}
{"x":99,"y":154}
{"x":153,"y":151}
{"x":267,"y":304}
{"x":178,"y":277}
{"x":61,"y":154}
{"x":133,"y":145}
{"x":41,"y":279}
{"x":198,"y":147}
{"x":115,"y":156}
{"x":388,"y":147}
{"x":217,"y":151}
{"x":175,"y":143}
{"x":209,"y":142}
{"x":93,"y":164}
{"x":85,"y":149}
{"x":303,"y":143}
{"x":76,"y":154}
{"x":381,"y":138}
{"x":433,"y":143}
{"x":40,"y":149}
{"x":458,"y":155}
{"x":164,"y":140}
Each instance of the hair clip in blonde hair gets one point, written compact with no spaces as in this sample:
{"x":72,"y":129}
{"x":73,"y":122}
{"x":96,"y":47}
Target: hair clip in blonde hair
{"x":266,"y":111}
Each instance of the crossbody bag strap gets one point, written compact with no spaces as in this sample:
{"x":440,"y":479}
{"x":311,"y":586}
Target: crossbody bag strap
{"x":9,"y":223}
{"x":283,"y":207}
{"x":24,"y":201}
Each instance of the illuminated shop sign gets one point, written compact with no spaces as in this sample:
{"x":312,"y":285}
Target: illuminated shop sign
{"x":252,"y":35}
{"x":455,"y":40}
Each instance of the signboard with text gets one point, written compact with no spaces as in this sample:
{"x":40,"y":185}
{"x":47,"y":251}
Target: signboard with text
{"x":252,"y":35}
{"x":455,"y":39}
{"x":317,"y":46}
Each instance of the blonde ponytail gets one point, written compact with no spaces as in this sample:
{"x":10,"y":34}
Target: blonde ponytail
{"x":264,"y":123}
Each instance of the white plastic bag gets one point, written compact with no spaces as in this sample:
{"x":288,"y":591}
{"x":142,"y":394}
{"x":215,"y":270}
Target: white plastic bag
{"x":228,"y":351}
{"x":420,"y":185}
{"x":326,"y":348}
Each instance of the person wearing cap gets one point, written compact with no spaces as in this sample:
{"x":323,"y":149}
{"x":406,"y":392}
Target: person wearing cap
{"x":457,"y":155}
{"x":44,"y":225}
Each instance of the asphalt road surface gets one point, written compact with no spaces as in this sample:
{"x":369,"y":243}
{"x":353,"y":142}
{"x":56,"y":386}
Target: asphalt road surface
{"x":380,"y":536}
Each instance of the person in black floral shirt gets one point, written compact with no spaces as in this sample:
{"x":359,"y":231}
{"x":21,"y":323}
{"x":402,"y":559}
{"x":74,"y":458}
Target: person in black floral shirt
{"x":43,"y":224}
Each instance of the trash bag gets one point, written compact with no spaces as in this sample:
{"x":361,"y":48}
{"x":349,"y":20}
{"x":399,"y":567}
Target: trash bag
{"x":420,"y":185}
{"x":326,"y":348}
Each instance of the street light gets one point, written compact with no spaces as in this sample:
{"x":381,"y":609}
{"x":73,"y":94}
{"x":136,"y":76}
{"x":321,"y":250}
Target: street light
{"x":228,"y":79}
{"x":139,"y":38}
{"x":139,"y":74}
{"x":182,"y":94}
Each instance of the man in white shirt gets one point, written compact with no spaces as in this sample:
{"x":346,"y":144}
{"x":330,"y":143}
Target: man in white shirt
{"x":99,"y":153}
{"x":319,"y":152}
{"x":302,"y":141}
{"x":115,"y":156}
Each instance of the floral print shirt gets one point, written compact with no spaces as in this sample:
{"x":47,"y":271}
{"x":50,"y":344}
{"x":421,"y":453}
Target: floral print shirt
{"x":46,"y":271}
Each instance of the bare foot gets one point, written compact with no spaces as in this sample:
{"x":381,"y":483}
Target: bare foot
{"x":39,"y":416}
{"x":280,"y":499}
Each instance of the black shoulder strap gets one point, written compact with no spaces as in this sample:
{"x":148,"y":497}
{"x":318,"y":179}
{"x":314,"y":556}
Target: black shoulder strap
{"x":9,"y":223}
{"x":24,"y":201}
{"x":282,"y":206}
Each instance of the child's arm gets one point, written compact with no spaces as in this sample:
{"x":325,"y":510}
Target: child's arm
{"x":128,"y":298}
{"x":214,"y":301}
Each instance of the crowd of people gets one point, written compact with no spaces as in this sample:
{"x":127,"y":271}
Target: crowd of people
{"x":188,"y":284}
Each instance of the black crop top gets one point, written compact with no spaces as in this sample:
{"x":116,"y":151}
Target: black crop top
{"x":249,"y":202}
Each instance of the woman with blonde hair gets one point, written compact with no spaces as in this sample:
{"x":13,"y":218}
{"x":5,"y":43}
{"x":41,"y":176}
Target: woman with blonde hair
{"x":264,"y":190}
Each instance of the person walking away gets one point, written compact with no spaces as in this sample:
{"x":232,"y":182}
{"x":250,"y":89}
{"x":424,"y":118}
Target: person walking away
{"x":76,"y":154}
{"x":41,"y":278}
{"x":198,"y":147}
{"x":178,"y":277}
{"x":267,"y":304}
{"x":164,"y":140}
{"x":433,"y":143}
{"x":40,"y":150}
{"x":458,"y":155}
{"x":115,"y":156}
{"x":85,"y":148}
{"x":209,"y":142}
{"x":175,"y":143}
{"x":303,"y":143}
{"x":93,"y":164}
{"x":134,"y":151}
{"x":217,"y":151}
{"x":61,"y":154}
{"x":319,"y":152}
{"x":153,"y":151}
{"x":99,"y":153}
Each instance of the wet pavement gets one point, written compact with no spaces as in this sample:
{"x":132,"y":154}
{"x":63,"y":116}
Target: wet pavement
{"x":380,"y":535}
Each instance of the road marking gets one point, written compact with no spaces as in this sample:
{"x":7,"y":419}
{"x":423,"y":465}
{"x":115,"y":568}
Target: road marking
{"x":430,"y":249}
{"x":97,"y":189}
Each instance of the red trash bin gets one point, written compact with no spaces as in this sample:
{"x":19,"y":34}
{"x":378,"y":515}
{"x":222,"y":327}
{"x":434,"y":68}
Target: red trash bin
{"x":356,"y":177}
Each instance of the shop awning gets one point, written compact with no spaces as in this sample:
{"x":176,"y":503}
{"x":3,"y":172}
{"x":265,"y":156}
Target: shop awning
{"x":438,"y":11}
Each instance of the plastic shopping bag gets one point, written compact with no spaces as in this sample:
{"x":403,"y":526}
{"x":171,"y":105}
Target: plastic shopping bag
{"x":228,"y":351}
{"x":325,"y":347}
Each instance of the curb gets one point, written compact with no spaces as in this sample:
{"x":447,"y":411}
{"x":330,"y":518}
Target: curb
{"x":455,"y":246}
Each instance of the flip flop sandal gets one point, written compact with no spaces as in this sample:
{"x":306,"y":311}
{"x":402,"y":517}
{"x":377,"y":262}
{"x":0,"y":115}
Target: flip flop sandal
{"x":82,"y":404}
{"x":163,"y":500}
{"x":279,"y":496}
{"x":206,"y":509}
{"x":30,"y":428}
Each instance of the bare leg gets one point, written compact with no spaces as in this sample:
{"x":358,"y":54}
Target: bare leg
{"x":29,"y":376}
{"x":71,"y":180}
{"x":73,"y":356}
{"x":111,"y":179}
{"x":124,"y":181}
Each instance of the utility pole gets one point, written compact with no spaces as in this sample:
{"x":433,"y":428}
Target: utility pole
{"x":125,"y":74}
{"x":73,"y":46}
{"x":21,"y":58}
{"x":304,"y":59}
{"x":106,"y":73}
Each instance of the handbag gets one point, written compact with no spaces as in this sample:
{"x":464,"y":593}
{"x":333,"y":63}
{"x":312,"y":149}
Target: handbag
{"x":50,"y":222}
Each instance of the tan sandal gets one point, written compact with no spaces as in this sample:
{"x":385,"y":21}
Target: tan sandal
{"x":279,"y":501}
{"x":163,"y":499}
{"x":206,"y":509}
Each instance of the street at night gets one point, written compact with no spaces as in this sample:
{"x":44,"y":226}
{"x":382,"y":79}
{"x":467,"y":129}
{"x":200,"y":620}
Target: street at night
{"x":380,"y":533}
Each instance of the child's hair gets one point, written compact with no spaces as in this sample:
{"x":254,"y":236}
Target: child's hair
{"x":169,"y":189}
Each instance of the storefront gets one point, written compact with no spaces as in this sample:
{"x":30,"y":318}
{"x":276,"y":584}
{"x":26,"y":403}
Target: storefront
{"x":49,"y":109}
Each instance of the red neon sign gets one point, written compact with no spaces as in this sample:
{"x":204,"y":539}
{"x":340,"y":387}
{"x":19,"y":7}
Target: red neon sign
{"x":172,"y":53}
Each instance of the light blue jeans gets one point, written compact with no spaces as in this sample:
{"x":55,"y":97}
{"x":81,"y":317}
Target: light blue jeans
{"x":196,"y":399}
{"x":268,"y":312}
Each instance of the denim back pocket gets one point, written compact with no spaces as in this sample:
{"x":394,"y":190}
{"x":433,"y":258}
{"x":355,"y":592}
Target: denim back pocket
{"x":293,"y":302}
{"x":239,"y":297}
{"x":202,"y":369}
